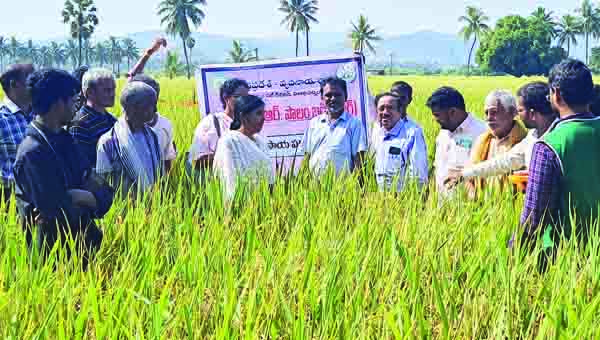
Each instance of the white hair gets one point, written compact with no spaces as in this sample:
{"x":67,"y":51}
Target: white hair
{"x":136,"y":93}
{"x":93,"y":76}
{"x":504,"y":97}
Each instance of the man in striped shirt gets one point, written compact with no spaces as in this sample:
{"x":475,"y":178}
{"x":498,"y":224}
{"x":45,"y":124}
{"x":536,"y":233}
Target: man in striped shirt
{"x":93,"y":120}
{"x":14,"y":117}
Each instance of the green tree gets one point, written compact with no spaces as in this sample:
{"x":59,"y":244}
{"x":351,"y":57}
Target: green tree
{"x":177,"y":15}
{"x":590,"y":23}
{"x":173,"y":67}
{"x":116,"y":54}
{"x":475,"y":27}
{"x":299,"y":14}
{"x":103,"y":56}
{"x":568,"y":29}
{"x":130,"y":51}
{"x":45,"y":57}
{"x":546,"y":20}
{"x":518,"y":46}
{"x":14,"y":47}
{"x":57,"y":54}
{"x":82,"y":18}
{"x":362,"y":35}
{"x":595,"y":58}
{"x":3,"y":52}
{"x":72,"y":52}
{"x":238,"y":53}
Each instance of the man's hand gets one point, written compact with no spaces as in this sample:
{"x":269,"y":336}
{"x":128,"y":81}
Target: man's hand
{"x":83,"y":198}
{"x":157,"y":44}
{"x":455,"y":177}
{"x":37,"y":217}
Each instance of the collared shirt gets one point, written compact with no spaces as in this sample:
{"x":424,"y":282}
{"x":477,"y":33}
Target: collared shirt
{"x":453,"y":149}
{"x":206,"y":135}
{"x":516,"y":158}
{"x":398,"y":150}
{"x":164,"y":131}
{"x":336,"y":142}
{"x":542,"y":200}
{"x":13,"y":128}
{"x":87,"y":127}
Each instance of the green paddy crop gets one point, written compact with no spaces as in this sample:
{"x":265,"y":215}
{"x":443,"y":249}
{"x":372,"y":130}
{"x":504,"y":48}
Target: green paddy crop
{"x":316,"y":259}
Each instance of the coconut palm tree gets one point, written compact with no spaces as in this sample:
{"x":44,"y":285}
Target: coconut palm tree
{"x":57,"y":54}
{"x":299,"y":14}
{"x":568,"y":29}
{"x":362,"y":35}
{"x":14,"y":49}
{"x":130,"y":51}
{"x":475,"y":27}
{"x":72,"y":52}
{"x":177,"y":15}
{"x":45,"y":58}
{"x":116,"y":54}
{"x":102,"y":53}
{"x":81,"y":16}
{"x":590,"y":23}
{"x":3,"y":52}
{"x":30,"y":52}
{"x":238,"y":53}
{"x":546,"y":19}
{"x":173,"y":67}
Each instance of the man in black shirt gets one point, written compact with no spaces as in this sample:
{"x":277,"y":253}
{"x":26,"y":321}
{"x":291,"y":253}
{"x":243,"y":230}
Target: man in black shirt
{"x":54,"y":182}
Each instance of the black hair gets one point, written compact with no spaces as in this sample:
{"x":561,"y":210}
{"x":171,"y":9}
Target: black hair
{"x":243,"y":106}
{"x":595,"y":105}
{"x":49,"y":86}
{"x":574,"y":81}
{"x":386,"y":94}
{"x":534,"y":96}
{"x":335,"y":81}
{"x":402,"y":86}
{"x":446,"y":98}
{"x":80,"y":71}
{"x":229,"y":86}
{"x":15,"y":72}
{"x":148,"y":81}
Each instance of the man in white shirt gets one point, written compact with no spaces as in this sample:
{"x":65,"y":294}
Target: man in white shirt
{"x":537,"y":114}
{"x":213,"y":126}
{"x":459,"y":132}
{"x":161,"y":125}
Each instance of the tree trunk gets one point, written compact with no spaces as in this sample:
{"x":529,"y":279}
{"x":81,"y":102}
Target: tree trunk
{"x":307,"y":43}
{"x":587,"y":41}
{"x":470,"y":54}
{"x":568,"y":47}
{"x":80,"y":37}
{"x":296,"y":42}
{"x":187,"y":61}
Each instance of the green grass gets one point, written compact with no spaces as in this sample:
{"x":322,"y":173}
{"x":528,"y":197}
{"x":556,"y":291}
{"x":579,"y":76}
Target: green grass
{"x":314,"y":260}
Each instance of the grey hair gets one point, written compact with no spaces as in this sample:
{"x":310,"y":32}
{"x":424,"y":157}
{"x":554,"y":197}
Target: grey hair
{"x":136,"y":93}
{"x":93,"y":76}
{"x":505,"y":97}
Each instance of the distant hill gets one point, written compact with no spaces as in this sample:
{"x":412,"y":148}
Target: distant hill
{"x":420,"y":48}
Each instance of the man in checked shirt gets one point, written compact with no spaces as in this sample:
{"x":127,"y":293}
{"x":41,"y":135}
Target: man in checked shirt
{"x":563,"y":193}
{"x":15,"y":116}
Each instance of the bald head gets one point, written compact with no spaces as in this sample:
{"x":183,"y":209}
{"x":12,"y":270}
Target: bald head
{"x":138,"y":101}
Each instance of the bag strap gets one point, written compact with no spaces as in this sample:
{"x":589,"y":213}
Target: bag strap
{"x":217,"y":125}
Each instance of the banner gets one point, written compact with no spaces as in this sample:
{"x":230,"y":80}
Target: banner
{"x":291,"y":91}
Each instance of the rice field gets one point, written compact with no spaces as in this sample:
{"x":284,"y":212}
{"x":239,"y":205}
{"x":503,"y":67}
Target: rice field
{"x":314,"y":260}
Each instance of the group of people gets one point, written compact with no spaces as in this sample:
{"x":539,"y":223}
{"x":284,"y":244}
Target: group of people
{"x":65,"y":156}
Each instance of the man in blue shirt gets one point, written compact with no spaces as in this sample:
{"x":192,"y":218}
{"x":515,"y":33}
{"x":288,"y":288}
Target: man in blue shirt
{"x":335,"y":137}
{"x":398,"y":144}
{"x":15,"y":115}
{"x":55,"y":189}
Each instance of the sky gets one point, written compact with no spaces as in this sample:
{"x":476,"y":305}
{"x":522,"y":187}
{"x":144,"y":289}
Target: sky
{"x":41,"y":19}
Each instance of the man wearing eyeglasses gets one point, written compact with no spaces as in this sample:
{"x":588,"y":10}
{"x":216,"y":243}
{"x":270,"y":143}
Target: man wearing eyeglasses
{"x":564,"y":183}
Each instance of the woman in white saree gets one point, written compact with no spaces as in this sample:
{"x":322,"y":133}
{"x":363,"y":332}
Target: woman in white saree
{"x":242,"y":155}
